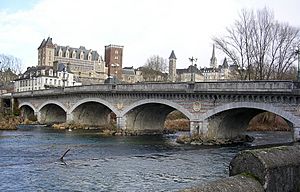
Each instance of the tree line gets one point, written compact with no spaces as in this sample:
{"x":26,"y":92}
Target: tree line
{"x":10,"y":67}
{"x":261,"y":47}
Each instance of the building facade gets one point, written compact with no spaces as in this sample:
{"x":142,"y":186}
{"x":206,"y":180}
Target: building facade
{"x":44,"y":77}
{"x":85,"y":64}
{"x":214,"y":72}
{"x":113,"y":60}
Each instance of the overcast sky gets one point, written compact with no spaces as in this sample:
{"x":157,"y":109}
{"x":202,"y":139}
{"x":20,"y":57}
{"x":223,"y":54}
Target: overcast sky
{"x":143,"y":27}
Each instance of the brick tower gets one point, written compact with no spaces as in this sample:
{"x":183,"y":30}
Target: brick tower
{"x":113,"y":60}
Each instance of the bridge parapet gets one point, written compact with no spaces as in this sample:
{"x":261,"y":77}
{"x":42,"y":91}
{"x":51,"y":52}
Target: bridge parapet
{"x":153,"y":87}
{"x":246,"y":86}
{"x":220,"y":87}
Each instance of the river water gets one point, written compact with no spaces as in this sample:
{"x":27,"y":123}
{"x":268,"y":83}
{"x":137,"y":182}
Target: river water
{"x":29,"y":161}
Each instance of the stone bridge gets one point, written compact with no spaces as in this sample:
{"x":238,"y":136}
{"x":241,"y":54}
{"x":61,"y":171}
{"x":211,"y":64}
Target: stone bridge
{"x":215,"y":109}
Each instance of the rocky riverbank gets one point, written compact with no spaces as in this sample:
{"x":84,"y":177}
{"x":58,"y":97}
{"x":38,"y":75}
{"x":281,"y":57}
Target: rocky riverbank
{"x":200,"y":140}
{"x":111,"y":130}
{"x":10,"y":122}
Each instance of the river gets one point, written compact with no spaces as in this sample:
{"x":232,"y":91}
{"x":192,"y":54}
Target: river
{"x":29,"y":161}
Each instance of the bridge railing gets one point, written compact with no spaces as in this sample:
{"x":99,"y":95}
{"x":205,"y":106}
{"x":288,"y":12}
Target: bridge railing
{"x":90,"y":88}
{"x":246,"y":86}
{"x":153,"y":87}
{"x":221,"y":86}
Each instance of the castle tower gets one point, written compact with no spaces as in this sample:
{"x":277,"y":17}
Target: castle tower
{"x":46,"y":53}
{"x":213,"y":59}
{"x":172,"y":67}
{"x":113,"y":60}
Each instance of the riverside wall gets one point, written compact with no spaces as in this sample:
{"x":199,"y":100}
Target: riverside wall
{"x":275,"y":169}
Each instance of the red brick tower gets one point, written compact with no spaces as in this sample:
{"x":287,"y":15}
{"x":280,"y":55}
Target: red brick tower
{"x":113,"y":60}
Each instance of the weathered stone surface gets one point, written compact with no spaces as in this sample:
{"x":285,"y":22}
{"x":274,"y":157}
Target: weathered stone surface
{"x":215,"y":109}
{"x":276,"y":168}
{"x":238,"y":183}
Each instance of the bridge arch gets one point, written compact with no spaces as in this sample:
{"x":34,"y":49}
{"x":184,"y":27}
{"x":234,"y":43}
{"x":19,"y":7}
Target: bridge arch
{"x":94,"y":112}
{"x":52,"y":112}
{"x":150,"y":114}
{"x":159,"y":101}
{"x":27,"y":104}
{"x":96,"y":100}
{"x":27,"y":110}
{"x":231,"y":119}
{"x":53,"y":102}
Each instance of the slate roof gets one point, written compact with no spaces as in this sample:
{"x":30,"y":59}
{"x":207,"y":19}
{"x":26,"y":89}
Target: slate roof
{"x":172,"y":56}
{"x":47,"y":42}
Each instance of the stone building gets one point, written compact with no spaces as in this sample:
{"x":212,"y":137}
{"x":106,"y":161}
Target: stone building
{"x":214,"y":72}
{"x":43,"y":77}
{"x":86,"y":64}
{"x":192,"y":73}
{"x":131,"y":75}
{"x":222,"y":72}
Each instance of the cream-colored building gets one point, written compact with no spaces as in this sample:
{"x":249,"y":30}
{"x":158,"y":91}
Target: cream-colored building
{"x":214,"y":72}
{"x":86,"y":64}
{"x":44,"y":77}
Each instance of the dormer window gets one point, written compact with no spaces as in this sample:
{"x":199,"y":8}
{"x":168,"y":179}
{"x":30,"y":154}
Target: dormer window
{"x":67,"y":53}
{"x":60,"y":53}
{"x":74,"y":55}
{"x":81,"y":55}
{"x":90,"y":57}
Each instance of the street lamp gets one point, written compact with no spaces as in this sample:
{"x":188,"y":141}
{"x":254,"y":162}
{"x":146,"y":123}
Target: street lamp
{"x":297,"y":52}
{"x":192,"y":59}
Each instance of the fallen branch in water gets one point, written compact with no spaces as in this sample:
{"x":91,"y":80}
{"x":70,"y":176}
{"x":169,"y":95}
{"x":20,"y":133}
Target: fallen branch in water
{"x":62,"y":157}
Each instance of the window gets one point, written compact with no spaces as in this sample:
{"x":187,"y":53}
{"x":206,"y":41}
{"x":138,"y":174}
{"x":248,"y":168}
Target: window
{"x":116,"y":57}
{"x":74,"y":55}
{"x":54,"y":81}
{"x":46,"y":81}
{"x":67,"y":53}
{"x":116,"y":52}
{"x":81,"y":55}
{"x":60,"y":53}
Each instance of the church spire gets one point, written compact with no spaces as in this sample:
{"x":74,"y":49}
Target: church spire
{"x":172,"y":56}
{"x":172,"y":67}
{"x":213,"y":60}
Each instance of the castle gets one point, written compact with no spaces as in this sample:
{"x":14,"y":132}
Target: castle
{"x":86,"y":64}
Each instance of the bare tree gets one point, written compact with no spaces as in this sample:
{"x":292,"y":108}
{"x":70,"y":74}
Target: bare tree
{"x":156,"y":63}
{"x":259,"y":46}
{"x":10,"y":66}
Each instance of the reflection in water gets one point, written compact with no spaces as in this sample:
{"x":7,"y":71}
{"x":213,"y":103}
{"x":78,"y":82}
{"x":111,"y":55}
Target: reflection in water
{"x":29,"y":161}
